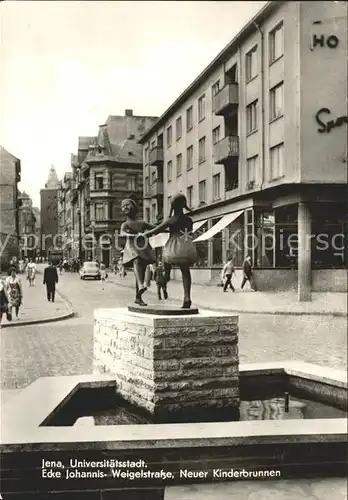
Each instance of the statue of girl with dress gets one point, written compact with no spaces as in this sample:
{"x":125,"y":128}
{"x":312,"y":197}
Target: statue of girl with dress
{"x":137,"y":248}
{"x":179,"y":249}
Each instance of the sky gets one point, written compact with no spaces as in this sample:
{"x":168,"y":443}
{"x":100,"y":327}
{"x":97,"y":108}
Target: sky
{"x":67,"y":66}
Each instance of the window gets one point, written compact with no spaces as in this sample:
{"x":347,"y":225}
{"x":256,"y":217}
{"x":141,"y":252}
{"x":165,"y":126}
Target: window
{"x":216,"y":134}
{"x":276,"y":43}
{"x":251,"y":171}
{"x":215,"y":90}
{"x":99,"y":211}
{"x":169,"y":203}
{"x":277,"y":161}
{"x":169,"y":136}
{"x":251,"y":117}
{"x":147,"y":214}
{"x":153,"y":212}
{"x":99,"y":181}
{"x":202,"y":192}
{"x":131,"y":182}
{"x":201,"y":108}
{"x":178,"y":125}
{"x":201,"y":150}
{"x":169,"y":170}
{"x":189,"y":118}
{"x":190,"y":196}
{"x":216,"y":187}
{"x":153,"y":176}
{"x":146,"y":156}
{"x":189,"y":158}
{"x":251,"y":64}
{"x":277,"y":101}
{"x":179,"y":165}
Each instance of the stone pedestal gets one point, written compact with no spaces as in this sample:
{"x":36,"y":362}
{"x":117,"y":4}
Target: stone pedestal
{"x":177,"y":368}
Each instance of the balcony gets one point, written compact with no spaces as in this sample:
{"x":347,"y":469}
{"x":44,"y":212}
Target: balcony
{"x":227,"y":149}
{"x":156,"y":189}
{"x":226,"y":101}
{"x":156,"y":156}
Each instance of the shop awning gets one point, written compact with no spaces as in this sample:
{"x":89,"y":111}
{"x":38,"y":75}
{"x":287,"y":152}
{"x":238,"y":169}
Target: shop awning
{"x":159,"y":240}
{"x":197,"y":225}
{"x":219,"y":226}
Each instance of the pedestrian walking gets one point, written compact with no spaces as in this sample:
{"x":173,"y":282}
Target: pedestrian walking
{"x":60,"y":266}
{"x":103,"y":273}
{"x":14,"y":292}
{"x":247,"y":273}
{"x":50,"y":279}
{"x":21,"y":266}
{"x":31,"y":272}
{"x":161,"y":281}
{"x":227,"y":272}
{"x":4,"y":302}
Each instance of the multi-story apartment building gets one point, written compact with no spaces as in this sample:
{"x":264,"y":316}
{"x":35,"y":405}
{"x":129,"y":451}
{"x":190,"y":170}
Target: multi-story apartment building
{"x":10,"y":176}
{"x":37,"y":215}
{"x":27,"y":229}
{"x":107,"y":169}
{"x":65,"y":214}
{"x":49,"y":214}
{"x":258,"y":142}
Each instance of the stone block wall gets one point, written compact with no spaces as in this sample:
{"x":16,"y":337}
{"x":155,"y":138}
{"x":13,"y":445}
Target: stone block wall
{"x":175,"y":368}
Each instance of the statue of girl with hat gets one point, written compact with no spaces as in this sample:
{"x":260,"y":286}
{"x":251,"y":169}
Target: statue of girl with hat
{"x":179,"y":249}
{"x":137,"y":248}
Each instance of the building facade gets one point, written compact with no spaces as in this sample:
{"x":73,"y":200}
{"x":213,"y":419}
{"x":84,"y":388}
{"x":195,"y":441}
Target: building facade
{"x":50,"y":239}
{"x":258,"y":143}
{"x":107,"y":168}
{"x":10,"y":176}
{"x":27,"y":227}
{"x":65,"y":215}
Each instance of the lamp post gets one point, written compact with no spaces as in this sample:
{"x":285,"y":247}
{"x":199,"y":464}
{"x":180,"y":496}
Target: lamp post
{"x":80,"y":233}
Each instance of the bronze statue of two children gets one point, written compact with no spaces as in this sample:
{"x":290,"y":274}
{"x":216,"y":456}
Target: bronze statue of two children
{"x":178,"y":251}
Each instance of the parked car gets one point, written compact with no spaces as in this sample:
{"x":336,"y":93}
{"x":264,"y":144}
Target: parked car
{"x":90,"y":270}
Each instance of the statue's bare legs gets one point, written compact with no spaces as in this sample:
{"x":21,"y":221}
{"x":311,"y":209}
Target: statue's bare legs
{"x":139,"y":266}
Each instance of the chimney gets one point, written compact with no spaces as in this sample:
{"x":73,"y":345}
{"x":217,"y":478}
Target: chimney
{"x":128,"y":112}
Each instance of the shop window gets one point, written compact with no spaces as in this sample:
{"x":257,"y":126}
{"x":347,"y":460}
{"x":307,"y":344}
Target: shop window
{"x":202,"y":248}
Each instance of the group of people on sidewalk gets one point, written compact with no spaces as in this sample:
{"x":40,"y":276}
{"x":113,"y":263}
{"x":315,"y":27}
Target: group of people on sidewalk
{"x":11,"y":295}
{"x":228,"y":271}
{"x":11,"y":290}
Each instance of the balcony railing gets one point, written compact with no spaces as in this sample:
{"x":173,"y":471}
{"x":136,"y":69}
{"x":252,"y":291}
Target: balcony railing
{"x":226,"y":149}
{"x":156,"y":189}
{"x":226,"y":101}
{"x":156,"y":156}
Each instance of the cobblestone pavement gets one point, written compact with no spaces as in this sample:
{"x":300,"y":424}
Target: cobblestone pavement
{"x":35,"y":305}
{"x":65,"y":348}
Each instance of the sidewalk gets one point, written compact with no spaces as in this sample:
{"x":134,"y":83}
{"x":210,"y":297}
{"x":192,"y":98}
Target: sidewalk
{"x":36,"y":309}
{"x":212,"y":297}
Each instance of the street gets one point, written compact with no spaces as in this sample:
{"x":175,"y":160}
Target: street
{"x":65,"y":347}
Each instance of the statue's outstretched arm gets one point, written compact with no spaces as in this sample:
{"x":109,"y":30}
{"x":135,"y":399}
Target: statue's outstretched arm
{"x":158,"y":229}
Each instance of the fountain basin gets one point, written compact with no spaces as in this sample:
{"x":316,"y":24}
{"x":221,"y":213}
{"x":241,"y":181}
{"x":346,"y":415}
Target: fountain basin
{"x":296,"y":448}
